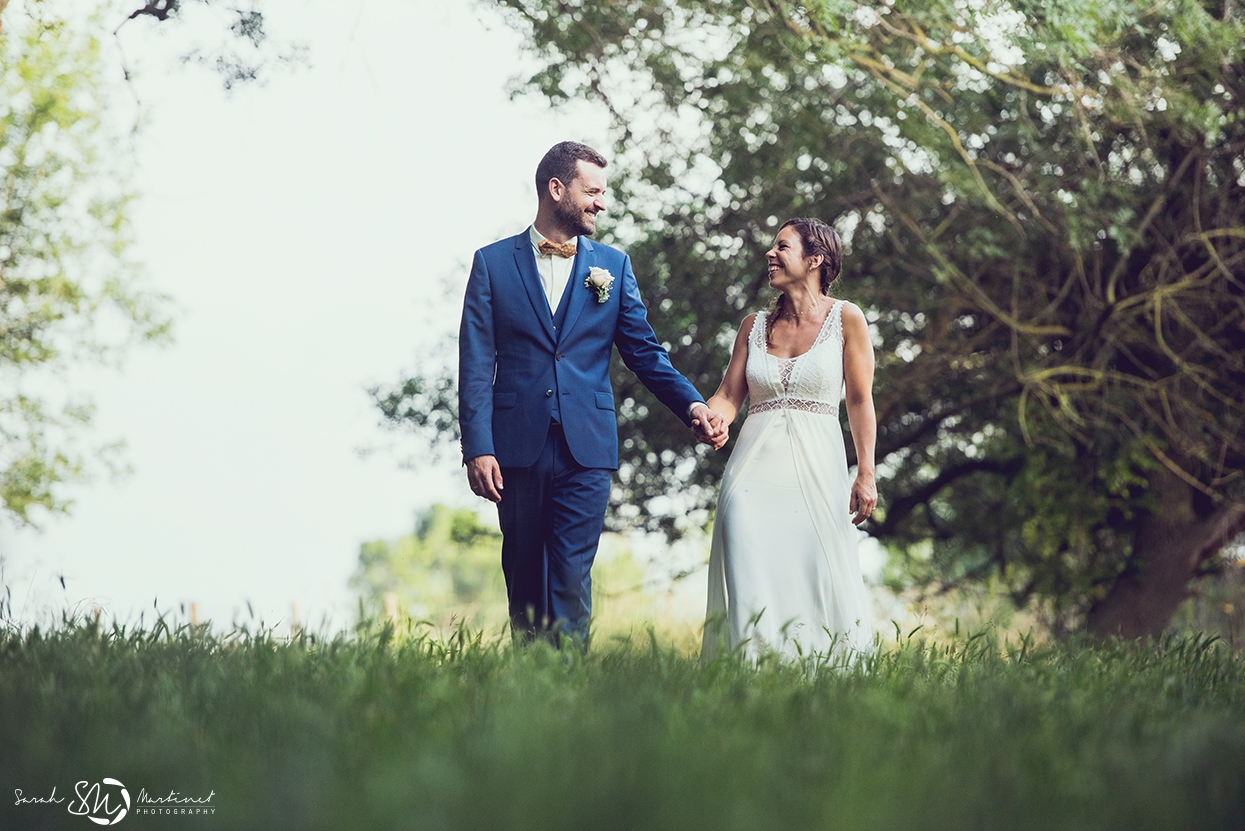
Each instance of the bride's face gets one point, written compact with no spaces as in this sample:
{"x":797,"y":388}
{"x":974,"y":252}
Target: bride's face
{"x":787,"y":264}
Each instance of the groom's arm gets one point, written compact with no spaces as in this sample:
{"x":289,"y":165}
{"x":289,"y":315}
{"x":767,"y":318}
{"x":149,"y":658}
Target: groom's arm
{"x":645,"y":356}
{"x":477,"y":361}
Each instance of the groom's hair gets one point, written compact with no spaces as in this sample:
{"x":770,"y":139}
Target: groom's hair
{"x":562,"y":163}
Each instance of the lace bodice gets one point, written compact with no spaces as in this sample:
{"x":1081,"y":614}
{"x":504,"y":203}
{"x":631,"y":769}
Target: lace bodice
{"x":812,"y":382}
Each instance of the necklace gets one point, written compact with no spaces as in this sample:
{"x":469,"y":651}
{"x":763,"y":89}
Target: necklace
{"x":816,"y":305}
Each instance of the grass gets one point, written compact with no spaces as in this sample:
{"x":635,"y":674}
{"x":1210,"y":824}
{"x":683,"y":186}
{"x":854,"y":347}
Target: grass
{"x":379,"y":731}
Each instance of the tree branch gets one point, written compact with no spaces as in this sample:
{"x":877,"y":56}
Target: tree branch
{"x":159,"y":9}
{"x":897,"y":511}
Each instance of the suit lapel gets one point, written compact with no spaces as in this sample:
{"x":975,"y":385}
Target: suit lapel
{"x":585,"y":258}
{"x":525,"y":260}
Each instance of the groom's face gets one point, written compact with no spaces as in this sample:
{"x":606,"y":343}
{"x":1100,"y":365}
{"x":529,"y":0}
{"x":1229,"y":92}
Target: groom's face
{"x":581,"y":200}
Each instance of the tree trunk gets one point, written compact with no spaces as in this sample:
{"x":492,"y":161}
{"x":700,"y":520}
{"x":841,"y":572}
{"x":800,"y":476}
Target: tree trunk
{"x":1168,"y":549}
{"x":3,"y":3}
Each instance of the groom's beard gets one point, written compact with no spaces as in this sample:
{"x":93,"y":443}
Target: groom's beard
{"x":572,"y":221}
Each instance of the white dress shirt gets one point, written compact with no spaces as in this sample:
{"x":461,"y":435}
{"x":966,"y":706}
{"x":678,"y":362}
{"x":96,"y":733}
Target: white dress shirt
{"x":554,"y":271}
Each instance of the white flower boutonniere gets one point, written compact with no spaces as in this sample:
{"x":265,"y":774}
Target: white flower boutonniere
{"x":600,"y":281}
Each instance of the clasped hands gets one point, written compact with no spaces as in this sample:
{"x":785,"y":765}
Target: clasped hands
{"x":710,"y":427}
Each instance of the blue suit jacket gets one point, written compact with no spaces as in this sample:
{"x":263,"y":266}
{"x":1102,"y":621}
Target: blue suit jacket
{"x":513,"y":363}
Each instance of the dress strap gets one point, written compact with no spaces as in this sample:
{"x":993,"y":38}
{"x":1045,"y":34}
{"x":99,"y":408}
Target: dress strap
{"x":829,"y":325}
{"x":836,"y":320}
{"x":757,"y":335}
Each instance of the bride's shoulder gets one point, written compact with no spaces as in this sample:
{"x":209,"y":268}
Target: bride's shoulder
{"x":744,"y":334}
{"x":853,"y":325}
{"x":745,"y":325}
{"x":851,"y":314}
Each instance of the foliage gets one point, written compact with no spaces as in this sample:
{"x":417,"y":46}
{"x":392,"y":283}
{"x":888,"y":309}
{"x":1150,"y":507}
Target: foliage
{"x":386,"y":730}
{"x":1218,"y":605}
{"x":424,"y":405}
{"x":246,"y":51}
{"x":449,"y":569}
{"x":448,"y":573}
{"x":68,"y":289}
{"x":1045,"y":212}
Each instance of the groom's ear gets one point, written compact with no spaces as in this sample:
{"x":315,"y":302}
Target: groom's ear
{"x":556,"y":189}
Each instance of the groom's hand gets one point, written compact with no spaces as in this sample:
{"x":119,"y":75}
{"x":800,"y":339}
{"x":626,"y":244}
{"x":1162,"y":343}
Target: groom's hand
{"x":484,"y":477}
{"x":709,"y":427}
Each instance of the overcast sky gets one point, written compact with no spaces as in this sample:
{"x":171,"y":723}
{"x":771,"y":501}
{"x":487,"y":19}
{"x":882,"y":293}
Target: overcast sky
{"x":306,"y":230}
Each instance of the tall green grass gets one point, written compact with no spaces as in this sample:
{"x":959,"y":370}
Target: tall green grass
{"x":379,"y":731}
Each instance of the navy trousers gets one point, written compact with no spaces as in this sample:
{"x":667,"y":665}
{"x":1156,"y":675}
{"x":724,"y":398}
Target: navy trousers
{"x":551,"y":516}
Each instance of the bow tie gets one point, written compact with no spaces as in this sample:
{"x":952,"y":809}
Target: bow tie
{"x":565,"y":250}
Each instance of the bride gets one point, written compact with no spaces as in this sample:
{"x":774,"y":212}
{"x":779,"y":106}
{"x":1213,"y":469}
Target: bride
{"x":784,"y":573}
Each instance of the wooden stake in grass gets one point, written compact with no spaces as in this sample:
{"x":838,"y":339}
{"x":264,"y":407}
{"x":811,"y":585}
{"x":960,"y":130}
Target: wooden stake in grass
{"x":296,"y":628}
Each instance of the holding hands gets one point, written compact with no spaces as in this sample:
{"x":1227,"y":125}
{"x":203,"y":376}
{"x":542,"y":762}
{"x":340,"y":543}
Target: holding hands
{"x":710,"y":427}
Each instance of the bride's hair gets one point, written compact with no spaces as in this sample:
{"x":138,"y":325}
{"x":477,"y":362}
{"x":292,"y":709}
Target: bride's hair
{"x":816,"y":237}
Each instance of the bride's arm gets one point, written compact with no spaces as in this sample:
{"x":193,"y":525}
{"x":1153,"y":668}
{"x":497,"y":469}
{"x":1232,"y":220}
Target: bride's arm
{"x":734,"y":387}
{"x":858,"y":377}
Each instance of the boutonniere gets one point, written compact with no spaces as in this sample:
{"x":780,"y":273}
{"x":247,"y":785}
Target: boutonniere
{"x":600,"y":281}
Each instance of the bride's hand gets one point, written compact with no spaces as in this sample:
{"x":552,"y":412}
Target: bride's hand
{"x":864,"y":498}
{"x":718,"y":430}
{"x":710,"y":428}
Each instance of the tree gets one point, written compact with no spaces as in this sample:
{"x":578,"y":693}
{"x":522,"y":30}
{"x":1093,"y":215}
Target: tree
{"x":1045,"y":211}
{"x":241,"y":57}
{"x":447,"y":570}
{"x":246,"y":50}
{"x":68,"y":289}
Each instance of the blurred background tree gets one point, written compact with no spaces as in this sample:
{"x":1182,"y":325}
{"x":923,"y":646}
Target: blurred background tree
{"x":243,"y":51}
{"x":1044,"y":207}
{"x":69,"y":290}
{"x":446,"y":571}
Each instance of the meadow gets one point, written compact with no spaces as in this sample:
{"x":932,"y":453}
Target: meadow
{"x":404,"y":729}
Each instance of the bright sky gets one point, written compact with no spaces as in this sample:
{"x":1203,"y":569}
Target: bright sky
{"x":307,"y":230}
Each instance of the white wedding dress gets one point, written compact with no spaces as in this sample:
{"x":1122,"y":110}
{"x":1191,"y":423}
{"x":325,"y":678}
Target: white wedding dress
{"x":784,"y":571}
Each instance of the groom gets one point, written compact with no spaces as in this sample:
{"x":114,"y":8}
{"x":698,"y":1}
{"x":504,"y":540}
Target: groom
{"x":542,"y":314}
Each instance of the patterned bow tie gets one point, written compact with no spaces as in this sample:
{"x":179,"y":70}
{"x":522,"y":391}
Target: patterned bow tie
{"x":557,"y":249}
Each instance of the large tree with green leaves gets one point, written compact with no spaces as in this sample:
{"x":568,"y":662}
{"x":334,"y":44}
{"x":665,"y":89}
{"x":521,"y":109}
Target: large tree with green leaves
{"x":1045,"y":211}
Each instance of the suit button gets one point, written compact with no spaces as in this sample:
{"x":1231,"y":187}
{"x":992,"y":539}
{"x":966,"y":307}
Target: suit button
{"x":548,"y":393}
{"x":559,"y":357}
